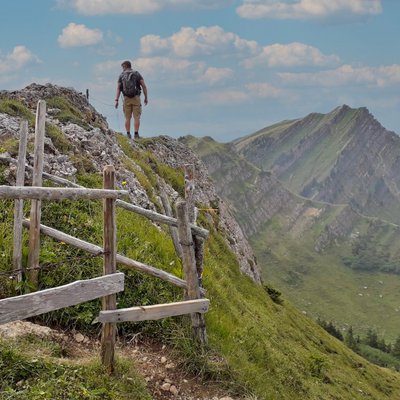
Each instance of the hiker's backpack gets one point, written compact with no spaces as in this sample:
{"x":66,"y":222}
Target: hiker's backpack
{"x":130,"y":83}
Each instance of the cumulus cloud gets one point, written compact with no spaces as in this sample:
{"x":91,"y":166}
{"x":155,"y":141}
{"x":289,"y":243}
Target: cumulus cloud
{"x":249,"y":92}
{"x":169,"y":70}
{"x":227,"y":96}
{"x":77,"y":35}
{"x":347,"y":75}
{"x":214,"y":75}
{"x":264,"y":89}
{"x":104,"y":7}
{"x":17,"y":59}
{"x":201,"y":41}
{"x":291,"y":55}
{"x":308,"y":9}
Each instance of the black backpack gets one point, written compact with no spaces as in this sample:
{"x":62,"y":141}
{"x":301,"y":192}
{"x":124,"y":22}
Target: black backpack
{"x":130,"y":83}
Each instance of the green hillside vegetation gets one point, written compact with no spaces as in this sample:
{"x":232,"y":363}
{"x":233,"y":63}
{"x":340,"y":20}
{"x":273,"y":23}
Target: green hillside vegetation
{"x":323,"y":286}
{"x":269,"y":349}
{"x":34,"y":368}
{"x":260,"y":345}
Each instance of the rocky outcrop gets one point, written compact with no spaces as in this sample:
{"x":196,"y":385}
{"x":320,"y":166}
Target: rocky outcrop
{"x":340,"y":228}
{"x":96,"y":146}
{"x":176,"y":155}
{"x":31,"y":94}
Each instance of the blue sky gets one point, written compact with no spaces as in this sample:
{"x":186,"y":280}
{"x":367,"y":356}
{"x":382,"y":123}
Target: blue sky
{"x":221,"y":68}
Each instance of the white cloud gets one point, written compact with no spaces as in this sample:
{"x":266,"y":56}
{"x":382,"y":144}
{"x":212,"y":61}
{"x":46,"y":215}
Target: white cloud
{"x":307,"y":9}
{"x":291,"y":55}
{"x":169,"y":71}
{"x":347,"y":75}
{"x":214,"y":75}
{"x":107,"y":67}
{"x":151,"y":44}
{"x":103,"y":7}
{"x":264,"y":89}
{"x":17,"y":59}
{"x":227,"y":96}
{"x":77,"y":35}
{"x":190,"y":42}
{"x":250,"y":92}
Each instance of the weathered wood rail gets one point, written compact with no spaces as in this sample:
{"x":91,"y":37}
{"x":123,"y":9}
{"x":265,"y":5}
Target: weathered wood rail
{"x":55,"y":193}
{"x":158,"y":311}
{"x":99,"y":251}
{"x":29,"y":305}
{"x":149,"y":214}
{"x":185,"y":232}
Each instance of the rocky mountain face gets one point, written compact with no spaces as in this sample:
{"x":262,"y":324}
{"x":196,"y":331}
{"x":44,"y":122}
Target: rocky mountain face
{"x":81,"y":141}
{"x":344,"y":157}
{"x":316,"y":196}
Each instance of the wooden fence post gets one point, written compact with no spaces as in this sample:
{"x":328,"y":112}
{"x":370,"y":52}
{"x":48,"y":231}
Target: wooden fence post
{"x":19,"y":203}
{"x":35,"y":216}
{"x":168,"y":212}
{"x":198,"y":241}
{"x":189,"y":192}
{"x":189,"y":266}
{"x":110,"y":252}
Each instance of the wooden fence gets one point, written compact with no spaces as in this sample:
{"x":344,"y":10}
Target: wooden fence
{"x":184,"y":231}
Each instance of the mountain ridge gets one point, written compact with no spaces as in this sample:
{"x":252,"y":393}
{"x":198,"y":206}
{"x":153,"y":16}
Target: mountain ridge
{"x":323,"y":184}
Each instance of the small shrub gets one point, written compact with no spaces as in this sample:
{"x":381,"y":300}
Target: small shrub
{"x":67,"y":112}
{"x":274,"y":294}
{"x":58,"y":138}
{"x":317,"y":365}
{"x":15,"y":108}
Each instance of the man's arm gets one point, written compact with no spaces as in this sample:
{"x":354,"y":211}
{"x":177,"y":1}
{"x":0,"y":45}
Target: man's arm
{"x":144,"y":87}
{"x":117,"y":94}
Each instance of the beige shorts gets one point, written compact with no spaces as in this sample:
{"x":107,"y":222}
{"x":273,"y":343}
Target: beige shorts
{"x":133,"y":106}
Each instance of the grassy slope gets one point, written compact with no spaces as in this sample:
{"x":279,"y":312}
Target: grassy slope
{"x":274,"y":349}
{"x":322,"y":286}
{"x":270,"y":350}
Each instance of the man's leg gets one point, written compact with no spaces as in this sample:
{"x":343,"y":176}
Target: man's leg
{"x":128,"y":116}
{"x":128,"y":125}
{"x":136,"y":111}
{"x":136,"y":124}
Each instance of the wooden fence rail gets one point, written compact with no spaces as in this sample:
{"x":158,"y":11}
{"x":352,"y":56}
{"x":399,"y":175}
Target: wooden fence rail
{"x":152,"y":215}
{"x":99,"y":251}
{"x":56,"y":193}
{"x":29,"y":305}
{"x":158,"y":311}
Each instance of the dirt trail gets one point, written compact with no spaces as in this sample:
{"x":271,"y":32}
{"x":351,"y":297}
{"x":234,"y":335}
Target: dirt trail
{"x":158,"y":364}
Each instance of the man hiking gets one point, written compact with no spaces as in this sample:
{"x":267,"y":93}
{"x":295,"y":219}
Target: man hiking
{"x":130,"y":84}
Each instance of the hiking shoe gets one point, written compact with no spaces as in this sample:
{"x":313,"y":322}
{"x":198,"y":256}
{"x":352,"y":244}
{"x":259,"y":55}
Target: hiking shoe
{"x":136,"y":135}
{"x":129,"y":135}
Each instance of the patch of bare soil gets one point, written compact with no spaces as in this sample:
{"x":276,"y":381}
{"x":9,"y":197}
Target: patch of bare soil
{"x":161,"y":369}
{"x":158,"y":364}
